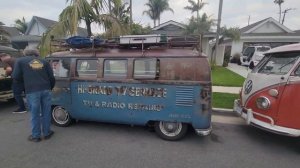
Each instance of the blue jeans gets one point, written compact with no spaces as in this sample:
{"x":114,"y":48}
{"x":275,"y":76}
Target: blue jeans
{"x":18,"y":89}
{"x":39,"y":104}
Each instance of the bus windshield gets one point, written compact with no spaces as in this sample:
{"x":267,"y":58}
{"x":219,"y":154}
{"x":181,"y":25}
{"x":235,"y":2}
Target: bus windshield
{"x":279,"y":64}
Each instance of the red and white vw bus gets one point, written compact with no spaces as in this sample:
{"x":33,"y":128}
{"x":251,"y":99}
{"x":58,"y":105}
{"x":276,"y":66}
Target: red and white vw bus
{"x":270,"y":97}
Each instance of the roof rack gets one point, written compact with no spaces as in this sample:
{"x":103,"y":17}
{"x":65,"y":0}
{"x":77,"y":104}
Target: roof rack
{"x":127,"y":41}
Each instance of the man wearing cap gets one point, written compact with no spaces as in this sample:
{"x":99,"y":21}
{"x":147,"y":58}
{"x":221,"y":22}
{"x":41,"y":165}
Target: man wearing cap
{"x":38,"y":80}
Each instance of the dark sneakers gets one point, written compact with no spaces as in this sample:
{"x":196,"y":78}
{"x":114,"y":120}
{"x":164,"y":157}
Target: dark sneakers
{"x":19,"y":111}
{"x":32,"y":139}
{"x":50,"y":135}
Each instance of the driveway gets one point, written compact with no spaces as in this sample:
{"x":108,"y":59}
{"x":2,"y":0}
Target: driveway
{"x":241,"y":70}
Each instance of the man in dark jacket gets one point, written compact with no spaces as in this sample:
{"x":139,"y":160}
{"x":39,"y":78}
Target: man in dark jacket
{"x":38,"y":79}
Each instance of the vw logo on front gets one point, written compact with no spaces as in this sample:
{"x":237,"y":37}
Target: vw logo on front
{"x":248,"y":87}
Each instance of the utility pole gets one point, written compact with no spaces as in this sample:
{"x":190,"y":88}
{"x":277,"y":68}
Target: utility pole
{"x":249,"y":20}
{"x":131,"y":15}
{"x":218,"y":31}
{"x":284,"y":12}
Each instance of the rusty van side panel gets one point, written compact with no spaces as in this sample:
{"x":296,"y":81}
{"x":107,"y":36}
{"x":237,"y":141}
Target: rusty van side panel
{"x":180,"y":91}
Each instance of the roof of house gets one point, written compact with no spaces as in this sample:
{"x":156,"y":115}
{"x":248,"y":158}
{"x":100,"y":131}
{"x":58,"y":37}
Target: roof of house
{"x":244,"y":29}
{"x":183,"y":26}
{"x":12,"y":31}
{"x":168,"y":23}
{"x":252,"y":27}
{"x":26,"y":38}
{"x":47,"y":23}
{"x":5,"y":48}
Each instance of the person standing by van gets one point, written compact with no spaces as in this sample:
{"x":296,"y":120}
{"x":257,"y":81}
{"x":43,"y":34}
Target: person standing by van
{"x":38,"y":81}
{"x":17,"y":86}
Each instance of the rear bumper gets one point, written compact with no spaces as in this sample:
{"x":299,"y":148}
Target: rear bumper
{"x":203,"y":132}
{"x":247,"y":114}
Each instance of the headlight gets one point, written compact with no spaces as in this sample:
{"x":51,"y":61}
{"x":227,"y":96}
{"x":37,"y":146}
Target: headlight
{"x":263,"y":103}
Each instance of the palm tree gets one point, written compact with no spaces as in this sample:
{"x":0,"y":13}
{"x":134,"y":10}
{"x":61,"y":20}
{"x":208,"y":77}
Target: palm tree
{"x":203,"y":24}
{"x":152,"y":11}
{"x":163,"y":5}
{"x":199,"y":26}
{"x":75,"y":13}
{"x":121,"y":13}
{"x":21,"y":25}
{"x":195,"y":6}
{"x":279,"y":2}
{"x":156,"y":8}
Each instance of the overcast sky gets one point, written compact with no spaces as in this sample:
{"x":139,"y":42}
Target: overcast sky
{"x":235,"y":12}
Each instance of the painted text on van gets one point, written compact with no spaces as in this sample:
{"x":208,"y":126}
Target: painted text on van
{"x":122,"y":91}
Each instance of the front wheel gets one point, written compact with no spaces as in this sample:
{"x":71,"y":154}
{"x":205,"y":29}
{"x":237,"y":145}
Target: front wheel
{"x":61,"y":117}
{"x":251,"y":66}
{"x":170,"y":131}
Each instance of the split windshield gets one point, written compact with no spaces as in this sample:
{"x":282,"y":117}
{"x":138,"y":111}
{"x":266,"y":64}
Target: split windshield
{"x":279,"y":64}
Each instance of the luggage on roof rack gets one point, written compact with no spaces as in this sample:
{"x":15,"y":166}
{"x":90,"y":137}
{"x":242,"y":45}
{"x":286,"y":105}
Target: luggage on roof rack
{"x":84,"y":42}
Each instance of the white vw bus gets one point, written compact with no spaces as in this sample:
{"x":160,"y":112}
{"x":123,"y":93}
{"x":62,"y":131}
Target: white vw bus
{"x":270,"y":97}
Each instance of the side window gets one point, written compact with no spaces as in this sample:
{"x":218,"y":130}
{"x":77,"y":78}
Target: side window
{"x":87,"y":68}
{"x":146,"y":68}
{"x":249,"y":51}
{"x":297,"y":71}
{"x":60,"y":67}
{"x":115,"y":68}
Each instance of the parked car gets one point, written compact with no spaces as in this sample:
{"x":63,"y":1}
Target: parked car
{"x":270,"y":96}
{"x":253,"y":54}
{"x":5,"y":78}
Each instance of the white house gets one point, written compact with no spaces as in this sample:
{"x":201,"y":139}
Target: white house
{"x":35,"y":30}
{"x":267,"y":32}
{"x":172,"y":28}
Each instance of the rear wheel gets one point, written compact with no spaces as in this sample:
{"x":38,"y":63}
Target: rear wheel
{"x":61,"y":117}
{"x":171,"y":131}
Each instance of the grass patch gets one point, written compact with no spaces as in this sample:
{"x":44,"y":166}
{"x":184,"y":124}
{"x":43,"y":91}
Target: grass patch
{"x":222,"y":76}
{"x":223,"y":100}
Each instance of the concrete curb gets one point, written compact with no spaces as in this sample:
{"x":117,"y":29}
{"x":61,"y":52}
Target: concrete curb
{"x":223,"y":112}
{"x":225,"y":89}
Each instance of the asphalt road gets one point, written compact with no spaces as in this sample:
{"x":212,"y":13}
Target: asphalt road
{"x":98,"y":145}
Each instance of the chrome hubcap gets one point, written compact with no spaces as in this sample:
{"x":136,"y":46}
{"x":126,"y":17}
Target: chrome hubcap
{"x":60,"y":115}
{"x":170,"y":128}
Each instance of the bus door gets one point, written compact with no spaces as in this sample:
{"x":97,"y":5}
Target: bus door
{"x":289,"y":114}
{"x":61,"y":94}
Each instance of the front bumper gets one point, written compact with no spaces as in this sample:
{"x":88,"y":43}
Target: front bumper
{"x":247,"y":114}
{"x":6,"y":95}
